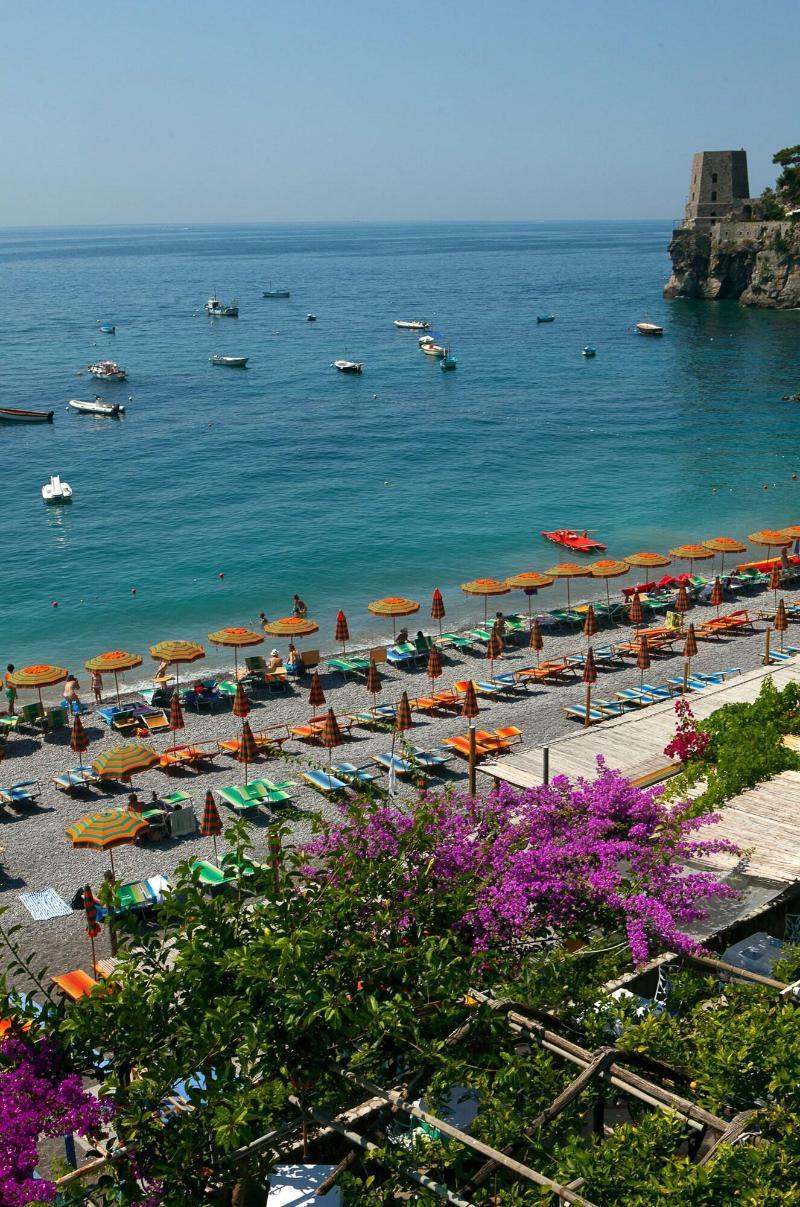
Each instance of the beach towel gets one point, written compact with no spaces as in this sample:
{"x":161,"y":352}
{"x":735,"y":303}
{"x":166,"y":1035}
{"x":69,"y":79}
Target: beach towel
{"x":45,"y":903}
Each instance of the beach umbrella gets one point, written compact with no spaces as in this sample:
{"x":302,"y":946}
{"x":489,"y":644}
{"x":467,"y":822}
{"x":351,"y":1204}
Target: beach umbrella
{"x":494,"y":649}
{"x":635,"y":610}
{"x":241,"y":702}
{"x":331,"y":734}
{"x":589,"y":677}
{"x":773,"y":538}
{"x":237,"y":639}
{"x":775,"y":581}
{"x":437,"y":608}
{"x":689,"y":652}
{"x":248,"y":751}
{"x":781,"y":621}
{"x":589,"y":623}
{"x":469,"y":707}
{"x":78,"y":738}
{"x":93,"y":927}
{"x":792,"y":531}
{"x":342,"y":631}
{"x":691,"y":554}
{"x":122,"y":762}
{"x":107,"y":830}
{"x":716,"y":595}
{"x":434,"y":667}
{"x":177,"y":653}
{"x":176,"y":720}
{"x":487,"y":587}
{"x":536,"y":638}
{"x":681,"y":604}
{"x":647,"y":561}
{"x":529,"y":581}
{"x":568,"y":570}
{"x":642,"y":656}
{"x":608,"y":568}
{"x":402,"y":719}
{"x":112,"y":662}
{"x":291,"y":626}
{"x":374,"y":684}
{"x":316,"y":695}
{"x":37,"y":677}
{"x":723,"y":545}
{"x":394,"y":606}
{"x":211,"y":825}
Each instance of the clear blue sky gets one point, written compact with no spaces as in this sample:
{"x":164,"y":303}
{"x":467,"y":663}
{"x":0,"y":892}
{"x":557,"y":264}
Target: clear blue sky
{"x":260,"y":110}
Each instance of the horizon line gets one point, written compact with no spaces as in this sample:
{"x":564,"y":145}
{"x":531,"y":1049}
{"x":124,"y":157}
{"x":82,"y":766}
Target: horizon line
{"x":285,"y":222}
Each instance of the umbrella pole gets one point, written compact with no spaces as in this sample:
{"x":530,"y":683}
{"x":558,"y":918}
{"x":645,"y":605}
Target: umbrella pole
{"x":116,"y":688}
{"x":111,"y":854}
{"x":685,"y":687}
{"x":766,"y":648}
{"x":588,"y":705}
{"x":472,"y":758}
{"x":216,"y":856}
{"x":94,"y":957}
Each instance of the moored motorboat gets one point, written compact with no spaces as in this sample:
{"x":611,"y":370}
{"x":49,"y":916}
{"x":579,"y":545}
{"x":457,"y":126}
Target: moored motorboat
{"x":231,"y":362}
{"x":588,"y":351}
{"x":108,"y":328}
{"x":107,"y":370}
{"x":347,"y":366}
{"x":311,"y":318}
{"x":216,"y":309}
{"x":56,"y":491}
{"x":15,"y":415}
{"x":649,"y":329}
{"x":275,"y":293}
{"x":433,"y":349}
{"x":580,"y":542}
{"x":545,"y":318}
{"x":412,"y":324}
{"x":96,"y":407}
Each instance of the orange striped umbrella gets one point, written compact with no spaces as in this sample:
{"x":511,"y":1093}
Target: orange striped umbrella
{"x":608,"y":568}
{"x":589,"y":677}
{"x":211,"y":825}
{"x":434,"y":667}
{"x":716,"y":595}
{"x":107,"y":830}
{"x":469,"y":708}
{"x":773,"y":538}
{"x":536,"y":638}
{"x":494,"y":649}
{"x":291,"y":626}
{"x":590,"y":623}
{"x":394,"y":606}
{"x":316,"y":695}
{"x":177,"y":653}
{"x":121,"y":762}
{"x":529,"y":581}
{"x":331,"y":734}
{"x":691,"y":554}
{"x":487,"y":587}
{"x":681,"y":604}
{"x":723,"y":545}
{"x":791,"y":530}
{"x":568,"y":570}
{"x":248,"y":750}
{"x":781,"y":621}
{"x":374,"y":684}
{"x":237,"y":638}
{"x":437,"y":608}
{"x":647,"y":561}
{"x":38,"y":676}
{"x":112,"y":662}
{"x":635,"y":610}
{"x":342,"y":631}
{"x":78,"y":738}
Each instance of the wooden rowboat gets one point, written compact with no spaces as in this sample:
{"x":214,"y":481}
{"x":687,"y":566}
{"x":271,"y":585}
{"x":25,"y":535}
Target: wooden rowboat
{"x":12,"y":415}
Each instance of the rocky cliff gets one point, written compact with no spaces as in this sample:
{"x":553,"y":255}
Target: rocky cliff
{"x":756,"y":262}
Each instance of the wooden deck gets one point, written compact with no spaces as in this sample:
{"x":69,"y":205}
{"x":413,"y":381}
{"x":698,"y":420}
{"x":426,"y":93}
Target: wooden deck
{"x":763,"y":822}
{"x":633,"y":743}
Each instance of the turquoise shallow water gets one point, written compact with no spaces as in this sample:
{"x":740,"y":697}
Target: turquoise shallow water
{"x":289,"y":476}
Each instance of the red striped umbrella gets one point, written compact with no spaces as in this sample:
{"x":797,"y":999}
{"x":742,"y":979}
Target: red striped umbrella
{"x":590,"y":623}
{"x":374,"y":684}
{"x":781,"y":621}
{"x":589,"y":677}
{"x":93,"y":927}
{"x":316,"y":695}
{"x":211,"y":825}
{"x":470,"y":706}
{"x":78,"y":738}
{"x":716,"y":595}
{"x":331,"y":734}
{"x":635,"y":610}
{"x":536,"y":638}
{"x":176,"y":720}
{"x":402,"y":720}
{"x":342,"y":631}
{"x":681,"y":604}
{"x":689,"y":651}
{"x":642,"y":656}
{"x":434,"y":668}
{"x":248,"y":751}
{"x":241,"y":702}
{"x":494,"y":649}
{"x":437,"y":608}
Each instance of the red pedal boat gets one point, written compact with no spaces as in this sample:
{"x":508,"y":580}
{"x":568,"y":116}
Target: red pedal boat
{"x":579,"y":541}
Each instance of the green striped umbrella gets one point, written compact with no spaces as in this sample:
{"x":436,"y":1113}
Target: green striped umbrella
{"x":331,"y":734}
{"x":374,"y":684}
{"x":642,"y":656}
{"x":104,"y":831}
{"x":316,"y":695}
{"x":635,"y":610}
{"x":121,"y":762}
{"x":437,"y":608}
{"x":470,"y":706}
{"x":716,"y":595}
{"x":775,"y":580}
{"x":176,"y":720}
{"x":590,"y":623}
{"x":589,"y":677}
{"x":241,"y":702}
{"x":211,"y":825}
{"x":681,"y":605}
{"x":434,"y":667}
{"x":781,"y":621}
{"x":536,"y":642}
{"x":494,"y":649}
{"x":176,"y":653}
{"x":402,"y":718}
{"x":248,"y":751}
{"x":78,"y":738}
{"x":342,"y":631}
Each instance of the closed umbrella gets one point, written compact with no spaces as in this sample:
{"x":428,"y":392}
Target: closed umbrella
{"x":402,"y":719}
{"x":636,"y":611}
{"x":316,"y":695}
{"x":241,"y":703}
{"x":775,"y":582}
{"x":723,"y":545}
{"x":437,"y":608}
{"x":470,"y":710}
{"x":589,"y":623}
{"x":608,"y":568}
{"x":38,"y":676}
{"x":211,"y":825}
{"x":112,"y":662}
{"x":716,"y":595}
{"x":374,"y":684}
{"x":589,"y":677}
{"x":689,"y":652}
{"x":92,"y":925}
{"x":107,"y":830}
{"x":681,"y":604}
{"x":642,"y":656}
{"x":568,"y":571}
{"x":342,"y":631}
{"x":394,"y":606}
{"x":241,"y":708}
{"x":434,"y":667}
{"x":176,"y":720}
{"x":536,"y":638}
{"x":236,"y":639}
{"x":122,"y":762}
{"x":487,"y":587}
{"x":781,"y":621}
{"x":78,"y":738}
{"x":494,"y":649}
{"x":529,"y":581}
{"x":248,"y":750}
{"x":331,"y":734}
{"x":177,"y":653}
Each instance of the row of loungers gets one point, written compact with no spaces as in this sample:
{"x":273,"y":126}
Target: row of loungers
{"x":633,"y":698}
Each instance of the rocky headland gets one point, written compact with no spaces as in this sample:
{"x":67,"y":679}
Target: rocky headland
{"x":757,"y":263}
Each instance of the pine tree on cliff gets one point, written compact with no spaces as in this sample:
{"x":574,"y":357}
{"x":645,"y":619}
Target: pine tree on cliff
{"x":788,"y":183}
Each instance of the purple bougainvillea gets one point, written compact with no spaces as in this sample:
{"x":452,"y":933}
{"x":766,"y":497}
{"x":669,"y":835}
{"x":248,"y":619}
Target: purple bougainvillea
{"x":562,"y":855}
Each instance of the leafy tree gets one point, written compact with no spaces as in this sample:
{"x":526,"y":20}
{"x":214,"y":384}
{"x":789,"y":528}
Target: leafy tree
{"x":788,"y":183}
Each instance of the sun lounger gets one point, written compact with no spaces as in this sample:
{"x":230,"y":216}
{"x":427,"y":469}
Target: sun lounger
{"x":272,"y":792}
{"x":239,"y":799}
{"x":382,"y":714}
{"x":399,"y":765}
{"x":456,"y":641}
{"x":77,"y":779}
{"x":507,"y":682}
{"x":579,"y":712}
{"x":75,"y":984}
{"x":545,"y":671}
{"x":141,"y":894}
{"x":460,"y":744}
{"x":7,"y":724}
{"x":508,"y":734}
{"x":693,"y":683}
{"x":323,"y":781}
{"x":402,"y":655}
{"x":23,"y":792}
{"x":482,"y":689}
{"x":344,"y":666}
{"x":32,"y":714}
{"x":359,"y":775}
{"x":429,"y":759}
{"x":209,"y":874}
{"x":157,"y":722}
{"x":785,"y":655}
{"x":182,"y":822}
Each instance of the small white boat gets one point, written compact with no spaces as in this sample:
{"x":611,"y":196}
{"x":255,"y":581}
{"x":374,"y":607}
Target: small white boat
{"x":412,"y":324}
{"x":649,"y":329}
{"x":588,"y":351}
{"x":216,"y":309}
{"x":56,"y":491}
{"x":96,"y":407}
{"x":433,"y":349}
{"x":426,"y":339}
{"x":347,"y":366}
{"x":231,"y":362}
{"x":311,"y":318}
{"x":107,"y":370}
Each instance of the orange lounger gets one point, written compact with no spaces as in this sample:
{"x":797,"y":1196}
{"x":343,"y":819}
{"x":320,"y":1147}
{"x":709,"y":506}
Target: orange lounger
{"x":75,"y":984}
{"x":461,"y":746}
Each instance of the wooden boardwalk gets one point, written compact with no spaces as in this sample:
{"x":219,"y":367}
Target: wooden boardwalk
{"x":632,"y":743}
{"x":764,"y":822}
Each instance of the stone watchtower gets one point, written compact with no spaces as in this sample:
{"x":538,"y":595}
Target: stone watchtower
{"x":718,"y":187}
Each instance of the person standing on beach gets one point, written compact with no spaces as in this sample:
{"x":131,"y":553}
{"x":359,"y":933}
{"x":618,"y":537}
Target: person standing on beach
{"x":11,"y":691}
{"x":72,"y":694}
{"x":97,"y":687}
{"x":300,"y":609}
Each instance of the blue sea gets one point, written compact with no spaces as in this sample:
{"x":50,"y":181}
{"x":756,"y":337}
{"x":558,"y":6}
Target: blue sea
{"x":289,"y":476}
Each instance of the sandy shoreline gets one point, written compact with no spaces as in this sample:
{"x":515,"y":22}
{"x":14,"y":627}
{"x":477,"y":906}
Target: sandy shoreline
{"x":38,"y":855}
